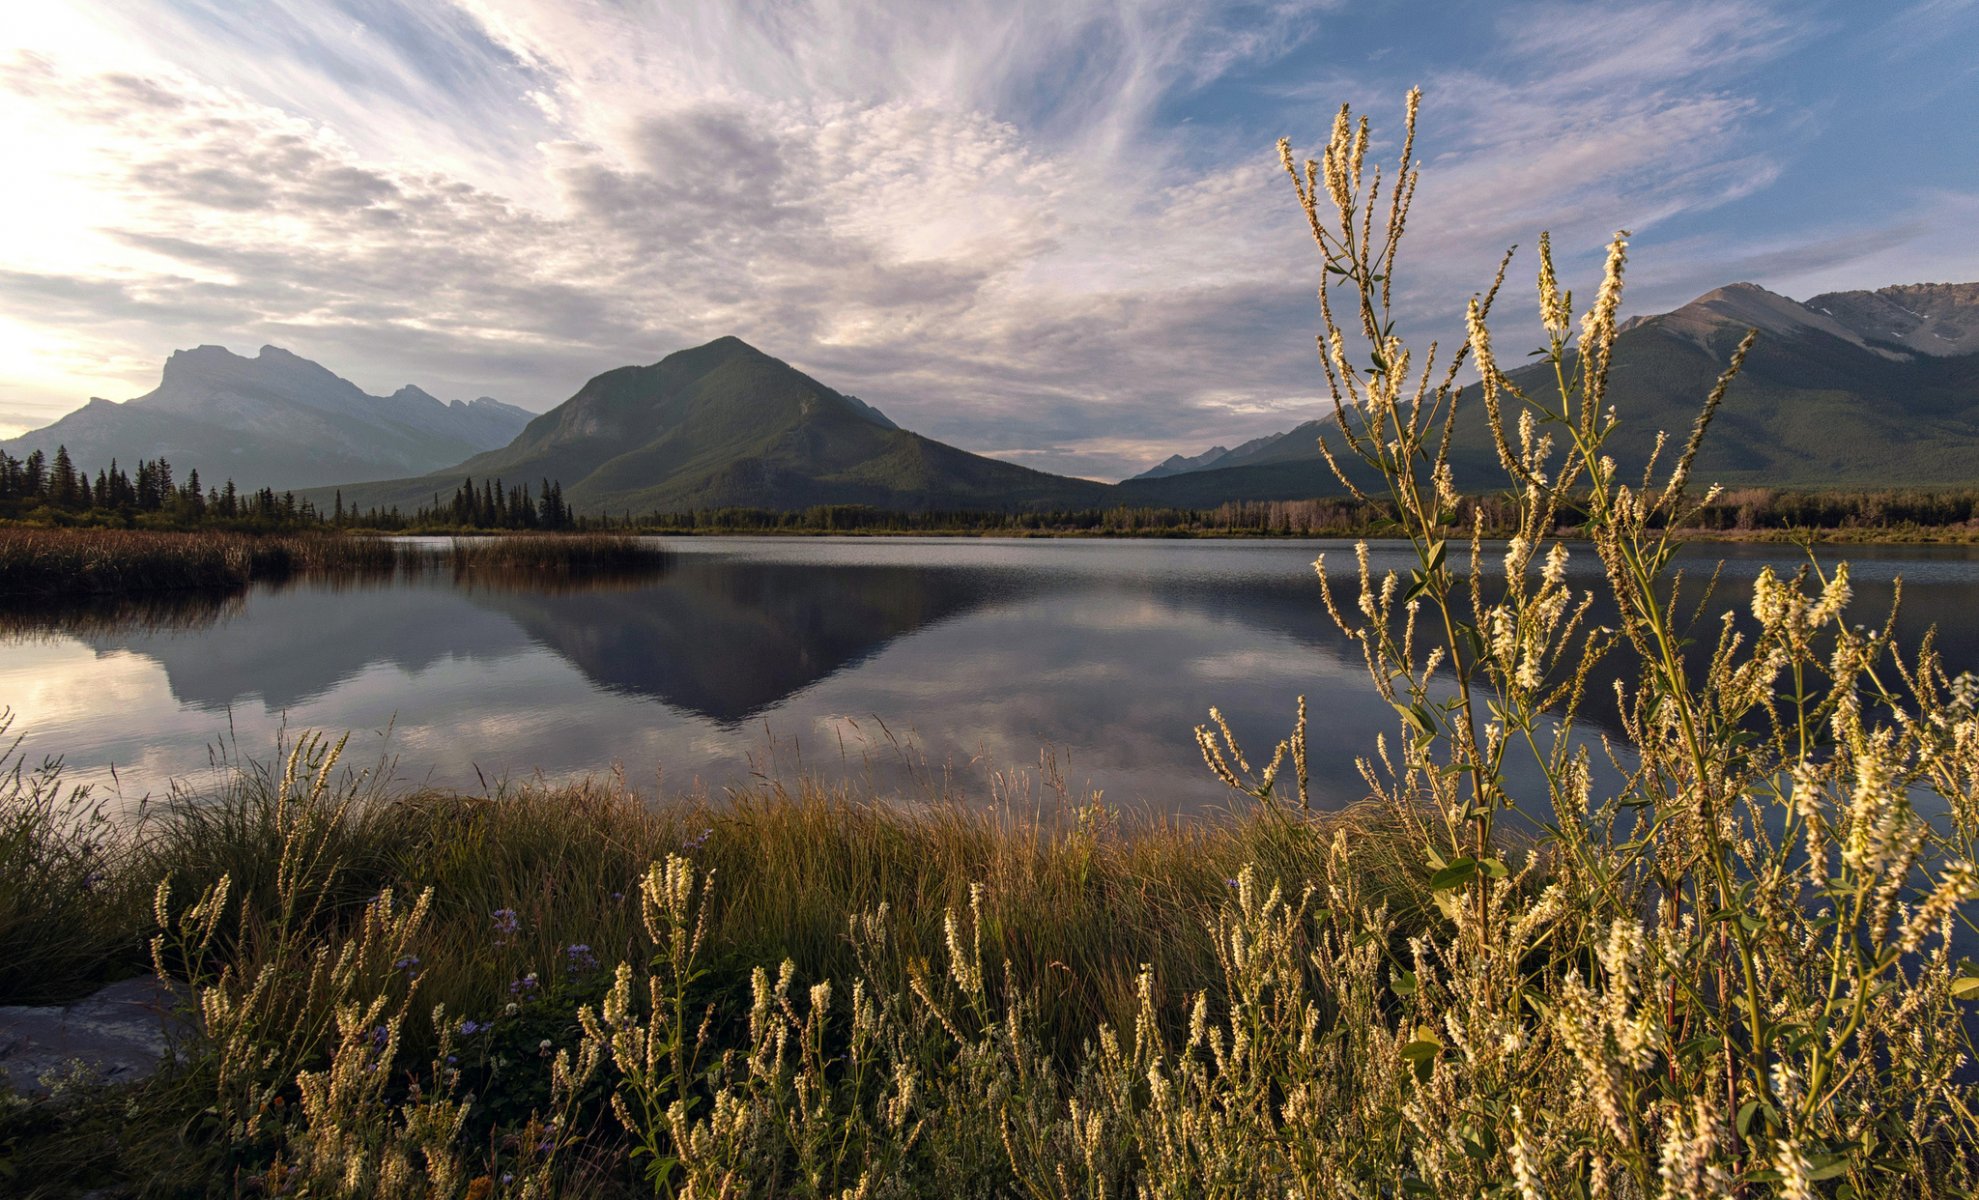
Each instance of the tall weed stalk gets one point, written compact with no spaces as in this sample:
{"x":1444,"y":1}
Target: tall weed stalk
{"x":1732,"y":970}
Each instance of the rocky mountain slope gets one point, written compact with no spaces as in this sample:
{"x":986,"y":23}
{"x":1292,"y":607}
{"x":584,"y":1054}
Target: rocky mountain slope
{"x":276,"y":420}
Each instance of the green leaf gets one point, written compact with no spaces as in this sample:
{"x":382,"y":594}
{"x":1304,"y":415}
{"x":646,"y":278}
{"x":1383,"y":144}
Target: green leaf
{"x":1965,"y":987}
{"x":1404,"y":984}
{"x":1457,"y":874}
{"x":1745,"y":1116}
{"x":1414,"y":716}
{"x":1417,"y":1051}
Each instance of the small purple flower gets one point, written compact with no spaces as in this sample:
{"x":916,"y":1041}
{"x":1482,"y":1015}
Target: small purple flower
{"x":698,"y":840}
{"x":524,"y":986}
{"x":380,"y":1035}
{"x":617,"y":897}
{"x":580,"y":959}
{"x":507,"y":924}
{"x":453,"y":1060}
{"x":471,"y":1027}
{"x":409,"y":963}
{"x":1230,"y":883}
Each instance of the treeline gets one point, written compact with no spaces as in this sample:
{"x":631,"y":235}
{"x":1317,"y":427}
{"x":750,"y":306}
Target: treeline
{"x":56,"y":491}
{"x":492,"y":506}
{"x":1897,"y":513}
{"x":1743,"y":509}
{"x":41,"y":490}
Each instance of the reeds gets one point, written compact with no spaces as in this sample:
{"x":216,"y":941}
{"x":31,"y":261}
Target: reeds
{"x":335,"y":938}
{"x":537,"y":561}
{"x":70,"y":564}
{"x":87,"y":562}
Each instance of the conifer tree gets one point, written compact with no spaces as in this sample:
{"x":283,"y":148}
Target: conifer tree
{"x":62,"y":480}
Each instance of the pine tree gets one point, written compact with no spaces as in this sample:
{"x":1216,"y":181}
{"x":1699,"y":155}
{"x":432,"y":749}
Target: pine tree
{"x":34,"y":477}
{"x":62,"y":480}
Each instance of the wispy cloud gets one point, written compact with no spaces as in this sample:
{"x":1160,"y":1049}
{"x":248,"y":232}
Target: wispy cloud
{"x":1043,"y":229}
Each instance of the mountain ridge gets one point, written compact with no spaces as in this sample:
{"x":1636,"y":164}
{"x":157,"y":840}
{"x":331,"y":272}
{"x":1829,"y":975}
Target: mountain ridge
{"x":276,"y":419}
{"x":1857,"y":398}
{"x":1865,"y":388}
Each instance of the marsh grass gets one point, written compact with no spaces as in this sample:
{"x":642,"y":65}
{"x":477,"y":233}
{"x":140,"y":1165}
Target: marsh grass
{"x":75,"y":565}
{"x":313,"y":916}
{"x":67,"y":908}
{"x":86,"y":562}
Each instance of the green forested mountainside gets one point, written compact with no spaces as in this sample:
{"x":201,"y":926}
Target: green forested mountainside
{"x":1810,"y":410}
{"x":725,"y":425}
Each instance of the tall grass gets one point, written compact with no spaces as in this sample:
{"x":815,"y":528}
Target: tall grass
{"x":67,"y":905}
{"x":82,"y":562}
{"x":71,"y":564}
{"x":537,"y":559}
{"x":319,"y":922}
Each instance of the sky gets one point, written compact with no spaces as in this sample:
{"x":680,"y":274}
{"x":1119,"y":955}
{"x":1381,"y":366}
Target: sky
{"x":1052,"y":231}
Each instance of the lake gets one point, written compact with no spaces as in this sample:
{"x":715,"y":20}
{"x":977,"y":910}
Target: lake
{"x":921,"y":666}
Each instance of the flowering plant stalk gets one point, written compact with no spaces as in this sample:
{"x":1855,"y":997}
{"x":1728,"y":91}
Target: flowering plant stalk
{"x":1731,"y":970}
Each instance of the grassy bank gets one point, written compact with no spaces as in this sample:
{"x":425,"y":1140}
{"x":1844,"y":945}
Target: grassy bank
{"x":40,"y":563}
{"x":529,"y":898}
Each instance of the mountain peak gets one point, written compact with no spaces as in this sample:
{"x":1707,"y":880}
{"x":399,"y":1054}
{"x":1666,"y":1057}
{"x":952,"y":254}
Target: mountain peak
{"x":1737,"y":307}
{"x":276,"y":419}
{"x":1177,"y":464}
{"x":727,"y":348}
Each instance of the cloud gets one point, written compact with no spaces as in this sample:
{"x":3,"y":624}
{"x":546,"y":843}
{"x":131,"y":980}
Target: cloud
{"x":1043,"y":229}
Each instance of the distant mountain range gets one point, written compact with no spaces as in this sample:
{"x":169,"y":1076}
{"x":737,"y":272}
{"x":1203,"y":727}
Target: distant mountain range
{"x":1848,"y":389}
{"x":725,"y":425}
{"x":275,"y":420}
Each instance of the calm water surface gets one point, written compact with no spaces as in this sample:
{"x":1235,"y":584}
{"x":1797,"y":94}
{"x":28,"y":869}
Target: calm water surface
{"x":915,"y":663}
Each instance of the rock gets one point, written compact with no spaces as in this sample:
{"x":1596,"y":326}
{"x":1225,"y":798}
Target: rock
{"x":118,"y":1035}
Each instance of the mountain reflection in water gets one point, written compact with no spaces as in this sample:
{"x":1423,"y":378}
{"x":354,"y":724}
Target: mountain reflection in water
{"x":744,"y":657}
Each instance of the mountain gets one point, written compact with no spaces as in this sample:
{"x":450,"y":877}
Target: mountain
{"x":1175,"y":464}
{"x":1939,"y":319}
{"x":1849,"y":389}
{"x":274,"y":420}
{"x":726,"y":425}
